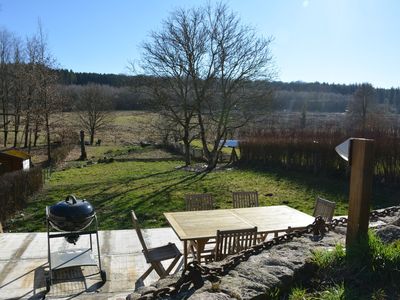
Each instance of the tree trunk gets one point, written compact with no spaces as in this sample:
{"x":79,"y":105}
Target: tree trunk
{"x":91,"y":137}
{"x":30,"y":140}
{"x":48,"y":138}
{"x":187,"y":153}
{"x":36,"y":135}
{"x":83,"y":150}
{"x":203,"y":138}
{"x":16,"y":128}
{"x":186,"y":143}
{"x":212,"y":160}
{"x":27,"y":130}
{"x":5,"y":136}
{"x":5,"y":125}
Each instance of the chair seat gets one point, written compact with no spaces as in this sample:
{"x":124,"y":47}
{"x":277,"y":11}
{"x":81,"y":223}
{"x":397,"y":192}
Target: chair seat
{"x":162,"y":253}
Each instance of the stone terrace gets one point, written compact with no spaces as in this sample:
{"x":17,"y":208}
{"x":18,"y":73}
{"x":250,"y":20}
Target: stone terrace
{"x":23,"y":261}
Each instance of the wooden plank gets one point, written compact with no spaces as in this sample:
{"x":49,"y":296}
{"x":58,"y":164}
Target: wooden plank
{"x":360,"y":195}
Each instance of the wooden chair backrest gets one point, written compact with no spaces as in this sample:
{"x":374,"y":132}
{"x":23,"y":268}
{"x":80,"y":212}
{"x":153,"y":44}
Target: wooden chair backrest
{"x":199,"y":202}
{"x":324,"y":208}
{"x":136,"y":226}
{"x":244,"y":199}
{"x":233,"y":241}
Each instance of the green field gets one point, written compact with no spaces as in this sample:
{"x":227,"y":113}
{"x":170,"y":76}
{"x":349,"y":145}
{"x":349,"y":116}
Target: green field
{"x":151,"y":181}
{"x":125,"y":127}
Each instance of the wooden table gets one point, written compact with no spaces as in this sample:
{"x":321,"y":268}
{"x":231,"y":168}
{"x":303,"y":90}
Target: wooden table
{"x":200,"y":226}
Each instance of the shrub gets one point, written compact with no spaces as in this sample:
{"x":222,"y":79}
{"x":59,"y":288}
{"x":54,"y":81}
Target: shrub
{"x":15,"y":188}
{"x":60,"y":153}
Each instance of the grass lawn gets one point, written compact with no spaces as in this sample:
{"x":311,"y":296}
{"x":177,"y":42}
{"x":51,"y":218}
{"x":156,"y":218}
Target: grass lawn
{"x":150,"y":181}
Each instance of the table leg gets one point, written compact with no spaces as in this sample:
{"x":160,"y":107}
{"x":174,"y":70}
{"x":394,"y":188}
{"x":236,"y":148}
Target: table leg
{"x":200,"y":245}
{"x":185,"y":253}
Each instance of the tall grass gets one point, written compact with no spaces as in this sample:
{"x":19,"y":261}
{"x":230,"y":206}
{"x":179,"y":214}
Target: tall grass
{"x":367,"y":270}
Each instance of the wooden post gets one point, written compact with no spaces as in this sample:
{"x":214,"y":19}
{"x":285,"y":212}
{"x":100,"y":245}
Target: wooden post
{"x":83,"y":150}
{"x":30,"y":140}
{"x":1,"y":228}
{"x":234,"y":158}
{"x":362,"y":168}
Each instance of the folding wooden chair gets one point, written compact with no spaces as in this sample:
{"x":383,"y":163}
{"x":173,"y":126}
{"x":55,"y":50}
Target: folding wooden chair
{"x":324,"y":208}
{"x":154,"y":256}
{"x":199,"y":202}
{"x":244,"y":199}
{"x":233,"y":241}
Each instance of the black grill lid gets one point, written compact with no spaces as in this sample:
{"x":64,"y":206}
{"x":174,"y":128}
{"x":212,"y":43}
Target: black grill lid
{"x":72,"y":214}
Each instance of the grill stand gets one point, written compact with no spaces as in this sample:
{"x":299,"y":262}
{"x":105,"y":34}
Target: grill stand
{"x":72,"y":258}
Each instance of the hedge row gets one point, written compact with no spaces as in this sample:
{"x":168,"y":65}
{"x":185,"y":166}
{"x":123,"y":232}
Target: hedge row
{"x":314,"y":150}
{"x":15,"y":188}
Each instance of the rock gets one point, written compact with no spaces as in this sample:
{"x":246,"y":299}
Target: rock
{"x":340,"y":230}
{"x":211,"y":296}
{"x":389,"y":233}
{"x":395,"y":221}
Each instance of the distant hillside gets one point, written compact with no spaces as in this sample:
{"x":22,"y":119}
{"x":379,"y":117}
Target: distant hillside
{"x":289,"y":96}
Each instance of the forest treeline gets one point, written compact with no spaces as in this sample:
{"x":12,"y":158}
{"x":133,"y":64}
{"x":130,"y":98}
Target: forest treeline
{"x":290,"y":96}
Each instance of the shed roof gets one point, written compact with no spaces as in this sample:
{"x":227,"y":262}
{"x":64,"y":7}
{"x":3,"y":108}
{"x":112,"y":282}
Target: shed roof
{"x":17,"y":153}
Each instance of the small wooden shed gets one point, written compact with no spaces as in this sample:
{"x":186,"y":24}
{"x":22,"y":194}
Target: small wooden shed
{"x":14,"y":160}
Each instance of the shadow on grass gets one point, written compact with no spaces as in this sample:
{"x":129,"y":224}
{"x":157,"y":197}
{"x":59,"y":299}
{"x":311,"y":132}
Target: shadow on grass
{"x":152,"y":204}
{"x":383,"y":196}
{"x":115,"y":199}
{"x":146,"y":159}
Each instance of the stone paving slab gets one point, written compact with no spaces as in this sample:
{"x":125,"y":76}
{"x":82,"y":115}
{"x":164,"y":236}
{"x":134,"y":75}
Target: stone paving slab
{"x":23,"y":263}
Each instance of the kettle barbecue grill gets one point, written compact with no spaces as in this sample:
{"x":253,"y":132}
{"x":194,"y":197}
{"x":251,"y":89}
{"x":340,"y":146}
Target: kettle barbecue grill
{"x":72,"y":218}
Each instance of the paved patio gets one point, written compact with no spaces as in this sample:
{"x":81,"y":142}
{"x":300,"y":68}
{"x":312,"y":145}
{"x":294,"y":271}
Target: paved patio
{"x":23,"y":262}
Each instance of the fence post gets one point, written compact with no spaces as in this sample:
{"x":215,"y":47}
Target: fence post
{"x":362,"y":168}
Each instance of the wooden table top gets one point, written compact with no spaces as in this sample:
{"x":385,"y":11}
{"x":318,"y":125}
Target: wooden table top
{"x":190,"y":225}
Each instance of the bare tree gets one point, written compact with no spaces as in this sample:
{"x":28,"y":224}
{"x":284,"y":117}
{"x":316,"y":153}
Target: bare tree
{"x":239,"y":56}
{"x":31,"y":82}
{"x":362,"y":104}
{"x":5,"y":77}
{"x":48,"y":98}
{"x":205,"y":60}
{"x":168,"y":57}
{"x":18,"y":85}
{"x":94,"y":108}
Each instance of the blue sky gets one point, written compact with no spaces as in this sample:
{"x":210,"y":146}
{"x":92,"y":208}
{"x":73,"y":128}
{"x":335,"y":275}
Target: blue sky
{"x":341,"y":41}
